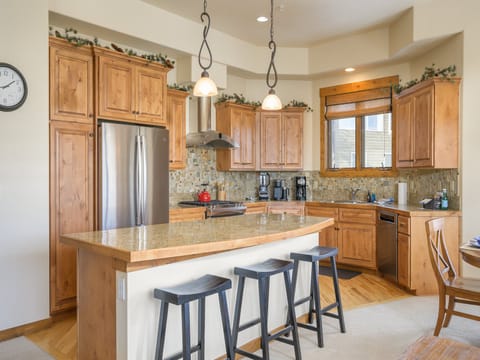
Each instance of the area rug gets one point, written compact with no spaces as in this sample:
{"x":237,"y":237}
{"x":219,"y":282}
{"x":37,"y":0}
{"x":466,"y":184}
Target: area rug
{"x":20,"y":348}
{"x":380,"y":332}
{"x":342,"y":274}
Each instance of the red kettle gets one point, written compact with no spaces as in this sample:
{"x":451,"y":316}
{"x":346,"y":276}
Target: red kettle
{"x":204,"y":196}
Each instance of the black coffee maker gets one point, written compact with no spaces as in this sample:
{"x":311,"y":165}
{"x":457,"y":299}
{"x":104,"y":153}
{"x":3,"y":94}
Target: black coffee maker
{"x":300,"y":188}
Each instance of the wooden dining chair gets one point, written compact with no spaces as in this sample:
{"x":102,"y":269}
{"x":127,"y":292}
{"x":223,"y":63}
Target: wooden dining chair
{"x":458,"y":289}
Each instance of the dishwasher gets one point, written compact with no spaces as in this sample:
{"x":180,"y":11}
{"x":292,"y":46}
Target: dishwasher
{"x":387,"y":244}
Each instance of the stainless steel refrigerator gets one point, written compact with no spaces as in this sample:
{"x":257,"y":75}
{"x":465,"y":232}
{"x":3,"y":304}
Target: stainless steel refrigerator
{"x":133,"y":175}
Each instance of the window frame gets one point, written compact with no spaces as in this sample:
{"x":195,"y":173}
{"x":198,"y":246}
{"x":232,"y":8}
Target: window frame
{"x":358,"y":171}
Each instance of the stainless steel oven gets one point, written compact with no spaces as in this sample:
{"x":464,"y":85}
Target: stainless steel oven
{"x":217,"y":208}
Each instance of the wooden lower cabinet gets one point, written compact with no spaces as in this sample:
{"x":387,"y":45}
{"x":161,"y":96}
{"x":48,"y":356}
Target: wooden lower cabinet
{"x":71,"y":204}
{"x":403,"y":262}
{"x":328,"y":236}
{"x":357,"y":244}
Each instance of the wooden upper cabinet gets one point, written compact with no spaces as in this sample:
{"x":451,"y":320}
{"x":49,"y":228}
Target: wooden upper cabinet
{"x":176,"y":117}
{"x":281,"y":139}
{"x":71,"y":204}
{"x":130,"y":89}
{"x":426,"y":117}
{"x":71,"y":82}
{"x":238,"y":122}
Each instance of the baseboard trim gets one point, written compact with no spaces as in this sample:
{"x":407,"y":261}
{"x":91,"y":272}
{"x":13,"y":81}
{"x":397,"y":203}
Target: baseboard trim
{"x":25,"y":329}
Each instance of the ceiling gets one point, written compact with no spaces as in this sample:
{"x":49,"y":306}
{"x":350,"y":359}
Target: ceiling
{"x":297,"y":23}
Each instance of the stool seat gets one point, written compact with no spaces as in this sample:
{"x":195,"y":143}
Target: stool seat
{"x":264,"y":269}
{"x":316,"y":253}
{"x":193,"y":290}
{"x":182,"y":295}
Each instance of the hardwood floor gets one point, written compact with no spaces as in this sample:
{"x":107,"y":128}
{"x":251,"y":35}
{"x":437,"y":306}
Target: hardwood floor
{"x":59,"y":340}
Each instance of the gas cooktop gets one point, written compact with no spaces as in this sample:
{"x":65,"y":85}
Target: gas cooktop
{"x":218,"y":208}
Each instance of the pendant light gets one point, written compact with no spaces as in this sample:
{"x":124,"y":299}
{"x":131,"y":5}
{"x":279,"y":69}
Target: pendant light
{"x":271,"y":101}
{"x":205,"y":86}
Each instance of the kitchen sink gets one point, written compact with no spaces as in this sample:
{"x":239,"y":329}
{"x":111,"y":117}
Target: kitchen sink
{"x":349,"y":202}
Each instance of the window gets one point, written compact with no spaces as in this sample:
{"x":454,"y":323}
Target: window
{"x":356,"y":129}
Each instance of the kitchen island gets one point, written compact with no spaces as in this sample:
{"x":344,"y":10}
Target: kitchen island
{"x":118,"y":269}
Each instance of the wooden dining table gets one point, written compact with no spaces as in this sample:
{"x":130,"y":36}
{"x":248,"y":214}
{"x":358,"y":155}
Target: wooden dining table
{"x":470,"y":255}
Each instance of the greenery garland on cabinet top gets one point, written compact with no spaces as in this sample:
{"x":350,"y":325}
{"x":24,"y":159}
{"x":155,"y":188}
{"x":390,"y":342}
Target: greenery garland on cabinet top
{"x":176,"y":86}
{"x":240,"y":99}
{"x":430,"y":72}
{"x":72,"y":37}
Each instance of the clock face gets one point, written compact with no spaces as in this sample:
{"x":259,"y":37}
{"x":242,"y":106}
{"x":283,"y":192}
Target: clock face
{"x":13,"y":88}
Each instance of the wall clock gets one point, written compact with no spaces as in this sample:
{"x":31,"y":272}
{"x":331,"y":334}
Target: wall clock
{"x":13,"y":88}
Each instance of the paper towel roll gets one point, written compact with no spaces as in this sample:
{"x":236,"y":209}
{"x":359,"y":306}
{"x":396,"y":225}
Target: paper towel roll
{"x":402,"y":193}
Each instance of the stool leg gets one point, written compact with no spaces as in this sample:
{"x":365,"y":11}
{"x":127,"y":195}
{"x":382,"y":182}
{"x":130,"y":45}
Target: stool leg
{"x":226,"y":325}
{"x":162,"y":326}
{"x":296,"y":264}
{"x":316,"y":297}
{"x":201,"y":328}
{"x":186,"y":331}
{"x":337,"y":294}
{"x":312,"y":295}
{"x":291,"y":312}
{"x":262,"y":290}
{"x":238,"y":310}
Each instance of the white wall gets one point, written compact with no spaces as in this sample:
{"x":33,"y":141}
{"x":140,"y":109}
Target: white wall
{"x":24,"y":168}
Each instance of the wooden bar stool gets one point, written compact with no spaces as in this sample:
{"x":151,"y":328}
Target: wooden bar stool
{"x":313,"y":256}
{"x":262,"y":273}
{"x":184,"y":294}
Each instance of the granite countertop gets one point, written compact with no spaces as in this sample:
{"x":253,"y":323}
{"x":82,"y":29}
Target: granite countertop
{"x":175,"y":240}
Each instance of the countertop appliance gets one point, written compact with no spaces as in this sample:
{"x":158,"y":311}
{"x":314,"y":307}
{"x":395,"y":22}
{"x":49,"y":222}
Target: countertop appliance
{"x":217,"y":208}
{"x":264,"y":180}
{"x":300,"y":188}
{"x":387,"y":243}
{"x":280,"y":190}
{"x":133,"y":175}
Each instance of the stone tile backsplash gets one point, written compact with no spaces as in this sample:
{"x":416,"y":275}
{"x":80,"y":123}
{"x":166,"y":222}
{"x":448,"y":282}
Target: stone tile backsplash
{"x":239,"y":185}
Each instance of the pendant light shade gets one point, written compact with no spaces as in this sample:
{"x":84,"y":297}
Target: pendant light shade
{"x":272,"y":101}
{"x":205,"y":86}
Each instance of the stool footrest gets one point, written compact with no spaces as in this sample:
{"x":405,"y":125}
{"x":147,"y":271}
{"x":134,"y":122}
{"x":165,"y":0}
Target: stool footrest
{"x":248,"y":324}
{"x":323,"y":311}
{"x":284,"y":331}
{"x":301,"y":301}
{"x":180,"y":354}
{"x":247,"y":354}
{"x":332,"y":315}
{"x":307,"y":326}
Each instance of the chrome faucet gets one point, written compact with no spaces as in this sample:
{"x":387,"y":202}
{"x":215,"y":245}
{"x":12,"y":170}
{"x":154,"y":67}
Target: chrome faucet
{"x":353,"y":192}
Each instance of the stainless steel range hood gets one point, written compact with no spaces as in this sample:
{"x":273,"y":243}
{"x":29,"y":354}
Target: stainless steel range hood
{"x":206,"y":136}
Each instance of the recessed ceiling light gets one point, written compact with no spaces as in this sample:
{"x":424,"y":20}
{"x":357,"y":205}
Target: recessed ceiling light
{"x":262,"y":19}
{"x":349,"y":69}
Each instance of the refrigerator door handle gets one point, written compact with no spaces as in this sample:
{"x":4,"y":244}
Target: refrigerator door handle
{"x":138,"y":180}
{"x":143,"y":172}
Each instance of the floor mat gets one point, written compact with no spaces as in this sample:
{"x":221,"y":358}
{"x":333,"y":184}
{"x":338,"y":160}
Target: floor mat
{"x":342,"y":274}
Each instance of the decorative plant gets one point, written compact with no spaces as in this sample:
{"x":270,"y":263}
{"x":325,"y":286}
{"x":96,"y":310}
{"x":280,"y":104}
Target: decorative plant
{"x":430,"y":72}
{"x":299,"y":103}
{"x":79,"y":41}
{"x":175,"y":86}
{"x":237,"y":99}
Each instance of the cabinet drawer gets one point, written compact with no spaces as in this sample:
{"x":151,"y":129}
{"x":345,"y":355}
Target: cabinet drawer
{"x":404,"y":225}
{"x":256,"y":208}
{"x":321,"y":212}
{"x":356,"y":216}
{"x":286,"y":210}
{"x":186,"y":214}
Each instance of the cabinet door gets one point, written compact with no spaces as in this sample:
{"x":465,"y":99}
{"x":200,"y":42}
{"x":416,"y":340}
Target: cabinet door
{"x":271,"y":130}
{"x":356,"y":244}
{"x":176,"y":115}
{"x":115,"y":89}
{"x":248,"y":140}
{"x":71,"y":84}
{"x":293,"y":140}
{"x":328,"y":236}
{"x":403,"y":260}
{"x":236,"y":127}
{"x":71,"y":204}
{"x":423,"y":128}
{"x":151,"y":89}
{"x":404,"y":121}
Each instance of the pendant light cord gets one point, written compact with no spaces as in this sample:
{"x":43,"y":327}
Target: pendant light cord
{"x":205,"y":17}
{"x":272,"y":46}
